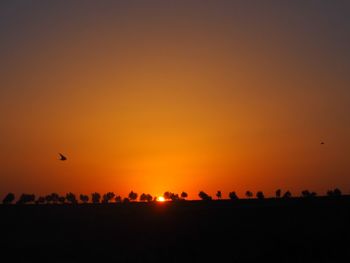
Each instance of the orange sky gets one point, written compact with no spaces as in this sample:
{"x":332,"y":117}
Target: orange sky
{"x":174,"y":96}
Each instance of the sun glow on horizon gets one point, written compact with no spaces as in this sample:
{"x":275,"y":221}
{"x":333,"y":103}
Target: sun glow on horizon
{"x":161,"y":199}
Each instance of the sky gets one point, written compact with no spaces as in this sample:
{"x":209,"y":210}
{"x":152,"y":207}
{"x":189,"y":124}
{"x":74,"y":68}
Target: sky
{"x":185,"y":95}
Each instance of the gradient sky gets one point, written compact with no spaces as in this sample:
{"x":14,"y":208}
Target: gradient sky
{"x":179,"y":95}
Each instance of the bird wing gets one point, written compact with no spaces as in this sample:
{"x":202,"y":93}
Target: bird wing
{"x":62,"y":157}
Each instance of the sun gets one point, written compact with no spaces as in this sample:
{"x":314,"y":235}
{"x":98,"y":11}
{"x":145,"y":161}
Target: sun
{"x":160,"y":199}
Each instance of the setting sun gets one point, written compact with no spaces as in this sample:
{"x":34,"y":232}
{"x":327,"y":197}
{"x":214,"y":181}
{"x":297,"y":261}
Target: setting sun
{"x":160,"y":199}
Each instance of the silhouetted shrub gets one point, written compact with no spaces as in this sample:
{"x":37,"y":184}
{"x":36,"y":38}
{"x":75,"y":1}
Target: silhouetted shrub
{"x":204,"y":196}
{"x":26,"y":198}
{"x":108,"y":197}
{"x":48,"y":199}
{"x":146,"y":197}
{"x":167,"y":195}
{"x":337,"y":192}
{"x":62,"y":199}
{"x":40,"y":200}
{"x":305,"y":193}
{"x":9,"y":198}
{"x":143,"y":197}
{"x":118,"y":199}
{"x":174,"y":197}
{"x":260,"y":195}
{"x":149,"y":198}
{"x":84,"y":198}
{"x":249,"y":194}
{"x":278,"y":193}
{"x":308,"y":194}
{"x":126,"y":200}
{"x":133,"y":196}
{"x":287,"y":195}
{"x":233,"y":196}
{"x":71,"y":198}
{"x":96,"y":197}
{"x":218,"y":194}
{"x":55,"y":198}
{"x":184,"y":195}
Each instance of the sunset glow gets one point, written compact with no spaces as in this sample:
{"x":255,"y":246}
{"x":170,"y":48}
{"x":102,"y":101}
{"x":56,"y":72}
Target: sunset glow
{"x":174,"y":96}
{"x":160,"y":199}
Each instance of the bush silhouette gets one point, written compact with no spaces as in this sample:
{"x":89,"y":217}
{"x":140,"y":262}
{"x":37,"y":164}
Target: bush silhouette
{"x":96,"y":197}
{"x":334,"y":193}
{"x":55,"y":198}
{"x":118,"y":199}
{"x":149,"y":198}
{"x":71,"y":198}
{"x":204,"y":196}
{"x":249,"y":194}
{"x":9,"y":198}
{"x":260,"y":195}
{"x":218,"y":194}
{"x":84,"y":198}
{"x":108,"y":197}
{"x":62,"y":199}
{"x":174,"y":197}
{"x":26,"y":198}
{"x":337,"y":192}
{"x":133,"y":196}
{"x":40,"y":200}
{"x":287,"y":195}
{"x":146,"y":198}
{"x":143,"y":197}
{"x":184,"y":195}
{"x":126,"y":200}
{"x":167,"y":195}
{"x":278,"y":193}
{"x":233,"y":196}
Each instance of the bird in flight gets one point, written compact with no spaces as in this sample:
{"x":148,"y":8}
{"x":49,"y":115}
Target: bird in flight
{"x":62,"y":157}
{"x":322,"y":143}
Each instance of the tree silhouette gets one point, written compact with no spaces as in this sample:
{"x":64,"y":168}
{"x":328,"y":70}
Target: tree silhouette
{"x":108,"y":197}
{"x":96,"y":197}
{"x":143,"y":197}
{"x":233,"y":196}
{"x":146,"y":197}
{"x":133,"y":196}
{"x":308,"y":194}
{"x":149,"y":198}
{"x":204,"y":196}
{"x":55,"y":198}
{"x":71,"y":198}
{"x":26,"y":198}
{"x":337,"y":192}
{"x":174,"y":197}
{"x":40,"y":200}
{"x":218,"y":194}
{"x":278,"y":193}
{"x":118,"y":199}
{"x":167,"y":195}
{"x":84,"y":198}
{"x":249,"y":194}
{"x":62,"y":199}
{"x":9,"y":198}
{"x":184,"y":195}
{"x":260,"y":195}
{"x":48,"y":199}
{"x":126,"y":200}
{"x":287,"y":195}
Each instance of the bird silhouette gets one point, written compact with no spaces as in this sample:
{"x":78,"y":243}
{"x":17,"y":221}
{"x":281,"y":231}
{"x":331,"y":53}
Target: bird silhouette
{"x":322,"y":143}
{"x":62,"y":157}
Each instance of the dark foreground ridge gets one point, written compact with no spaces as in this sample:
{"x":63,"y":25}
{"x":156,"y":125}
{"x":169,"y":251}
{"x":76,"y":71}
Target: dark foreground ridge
{"x":275,"y":230}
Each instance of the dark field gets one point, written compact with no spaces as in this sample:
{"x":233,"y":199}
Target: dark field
{"x":295,"y":230}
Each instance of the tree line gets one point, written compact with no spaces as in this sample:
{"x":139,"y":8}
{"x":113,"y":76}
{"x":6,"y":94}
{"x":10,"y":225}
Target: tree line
{"x":109,"y":197}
